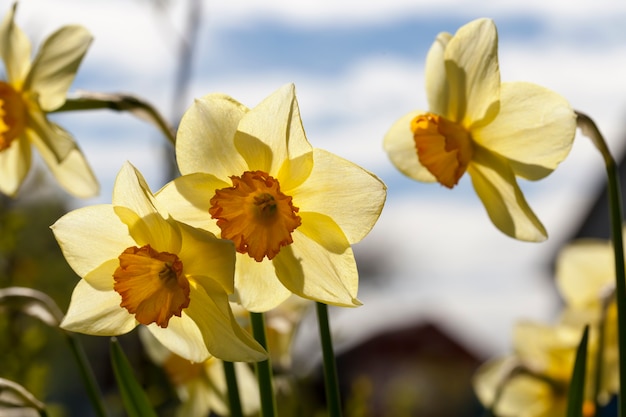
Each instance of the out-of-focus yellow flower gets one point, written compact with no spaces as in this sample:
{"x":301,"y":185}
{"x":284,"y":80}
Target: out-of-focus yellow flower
{"x":534,"y":381}
{"x":139,"y":266}
{"x":585,"y":276}
{"x":201,"y":386}
{"x":495,"y":132}
{"x":292,"y":210}
{"x":31,"y":90}
{"x":281,"y":324}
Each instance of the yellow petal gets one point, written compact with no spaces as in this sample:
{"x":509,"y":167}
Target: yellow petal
{"x":62,"y":156}
{"x":205,"y":256}
{"x":91,"y":236}
{"x":489,"y":376}
{"x":200,"y":399}
{"x":14,"y":165}
{"x":223,"y":335}
{"x":188,"y":199}
{"x":206,"y":327}
{"x":352,"y":197}
{"x":506,"y":206}
{"x":182,"y":336}
{"x":585,"y":270}
{"x":294,"y":172}
{"x":50,"y":139}
{"x":400,"y":147}
{"x":131,"y":191}
{"x":534,"y":129}
{"x":14,"y":49}
{"x":97,"y":312}
{"x":547,"y":349}
{"x":75,"y":175}
{"x":258,"y":289}
{"x":101,"y":277}
{"x":534,"y":396}
{"x":248,"y":388}
{"x":272,"y":132}
{"x":319,"y":264}
{"x":437,"y":88}
{"x":138,"y":209}
{"x":55,"y":65}
{"x":473,"y":74}
{"x":204,"y":142}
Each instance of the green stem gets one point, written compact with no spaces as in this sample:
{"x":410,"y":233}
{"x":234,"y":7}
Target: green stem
{"x":119,"y":102}
{"x":589,"y":129}
{"x":87,"y":374}
{"x":620,"y":276}
{"x":233,"y":389}
{"x":576,"y":390}
{"x":599,"y":359}
{"x":264,"y":368}
{"x":330,"y":369}
{"x":21,"y":397}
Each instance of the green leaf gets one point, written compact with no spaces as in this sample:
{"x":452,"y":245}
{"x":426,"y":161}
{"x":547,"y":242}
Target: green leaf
{"x":17,"y":398}
{"x":576,"y":395}
{"x":133,"y":396}
{"x":31,"y":302}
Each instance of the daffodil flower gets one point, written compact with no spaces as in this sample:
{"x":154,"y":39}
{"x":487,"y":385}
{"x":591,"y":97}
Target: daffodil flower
{"x":494,"y":132}
{"x":31,"y":90}
{"x":139,"y":266}
{"x":292,"y":210}
{"x":534,"y":381}
{"x":585,"y":277}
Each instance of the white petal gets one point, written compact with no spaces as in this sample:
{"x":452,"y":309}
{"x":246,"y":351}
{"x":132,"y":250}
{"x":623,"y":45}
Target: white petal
{"x":205,"y":138}
{"x":256,"y":284}
{"x":319,"y":264}
{"x":495,"y":184}
{"x":473,"y":74}
{"x":272,"y":132}
{"x":14,"y":165}
{"x":55,"y":65}
{"x":97,"y":312}
{"x":207,"y":327}
{"x":14,"y":48}
{"x":62,"y":156}
{"x":534,"y":129}
{"x":138,"y":209}
{"x":585,"y":270}
{"x":343,"y":191}
{"x":400,"y":146}
{"x":188,"y":199}
{"x":437,"y":88}
{"x":91,"y":236}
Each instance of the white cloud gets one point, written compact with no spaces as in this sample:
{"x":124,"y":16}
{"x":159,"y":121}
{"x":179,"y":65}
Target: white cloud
{"x":323,"y":12}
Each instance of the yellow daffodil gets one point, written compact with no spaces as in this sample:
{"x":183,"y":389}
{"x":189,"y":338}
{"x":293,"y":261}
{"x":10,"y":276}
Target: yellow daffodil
{"x":31,"y":90}
{"x":494,"y":132}
{"x":534,"y":381}
{"x":139,"y":266}
{"x":585,"y":276}
{"x":201,"y":386}
{"x":292,"y":210}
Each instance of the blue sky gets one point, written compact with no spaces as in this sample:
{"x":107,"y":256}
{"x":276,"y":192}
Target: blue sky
{"x":357,"y":67}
